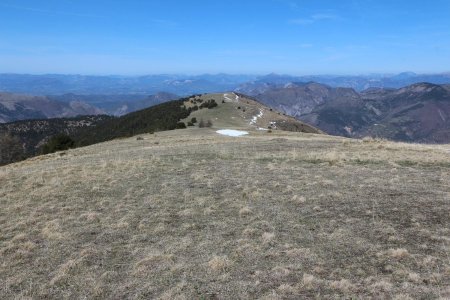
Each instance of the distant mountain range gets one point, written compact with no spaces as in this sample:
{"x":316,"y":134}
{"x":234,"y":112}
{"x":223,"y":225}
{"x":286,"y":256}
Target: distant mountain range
{"x":416,"y":113}
{"x":186,"y":85}
{"x":120,"y":85}
{"x":118,"y":105}
{"x":358,"y":83}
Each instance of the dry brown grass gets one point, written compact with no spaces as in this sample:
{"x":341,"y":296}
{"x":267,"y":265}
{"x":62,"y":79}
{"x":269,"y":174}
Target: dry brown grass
{"x":192,"y":215}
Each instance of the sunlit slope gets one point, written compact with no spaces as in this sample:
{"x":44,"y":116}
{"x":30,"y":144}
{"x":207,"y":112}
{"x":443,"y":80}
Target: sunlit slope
{"x":239,"y":111}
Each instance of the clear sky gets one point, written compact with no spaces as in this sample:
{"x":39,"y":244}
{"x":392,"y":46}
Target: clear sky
{"x":297,"y":37}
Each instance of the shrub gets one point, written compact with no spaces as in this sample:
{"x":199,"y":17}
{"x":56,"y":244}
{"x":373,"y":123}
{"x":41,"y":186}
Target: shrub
{"x":190,"y":124}
{"x":209,"y":104}
{"x":203,"y":124}
{"x":58,"y":143}
{"x":212,"y":104}
{"x":11,"y":149}
{"x":194,"y":120}
{"x":181,"y":125}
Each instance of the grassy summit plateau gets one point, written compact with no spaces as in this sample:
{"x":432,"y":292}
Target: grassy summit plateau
{"x":191,"y":214}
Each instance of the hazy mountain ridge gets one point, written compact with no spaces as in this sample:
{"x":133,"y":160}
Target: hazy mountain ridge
{"x":356,"y":82}
{"x":118,"y":105}
{"x":56,"y":84}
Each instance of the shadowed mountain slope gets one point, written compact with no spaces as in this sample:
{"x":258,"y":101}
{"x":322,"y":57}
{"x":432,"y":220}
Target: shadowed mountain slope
{"x":416,"y":113}
{"x":15,"y":107}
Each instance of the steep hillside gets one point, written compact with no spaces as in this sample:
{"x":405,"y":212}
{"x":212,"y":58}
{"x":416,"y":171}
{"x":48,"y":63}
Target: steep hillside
{"x":15,"y":107}
{"x":160,"y":117}
{"x":191,"y":214}
{"x":420,"y":112}
{"x":297,"y":99}
{"x":33,"y":134}
{"x":417,"y":113}
{"x":87,"y":130}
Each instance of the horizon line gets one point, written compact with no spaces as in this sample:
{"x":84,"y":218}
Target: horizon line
{"x":257,"y":74}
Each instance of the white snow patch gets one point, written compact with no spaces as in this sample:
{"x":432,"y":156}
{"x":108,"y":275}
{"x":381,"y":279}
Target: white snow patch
{"x":260,"y":128}
{"x":227,"y":97}
{"x":231,"y":132}
{"x":255,"y":118}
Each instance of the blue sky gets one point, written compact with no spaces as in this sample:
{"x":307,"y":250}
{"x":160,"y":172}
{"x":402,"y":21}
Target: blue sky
{"x":254,"y":37}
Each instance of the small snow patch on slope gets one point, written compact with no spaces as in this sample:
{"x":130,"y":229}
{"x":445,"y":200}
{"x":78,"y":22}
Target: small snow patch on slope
{"x":228,"y":99}
{"x":255,"y":118}
{"x":231,"y":132}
